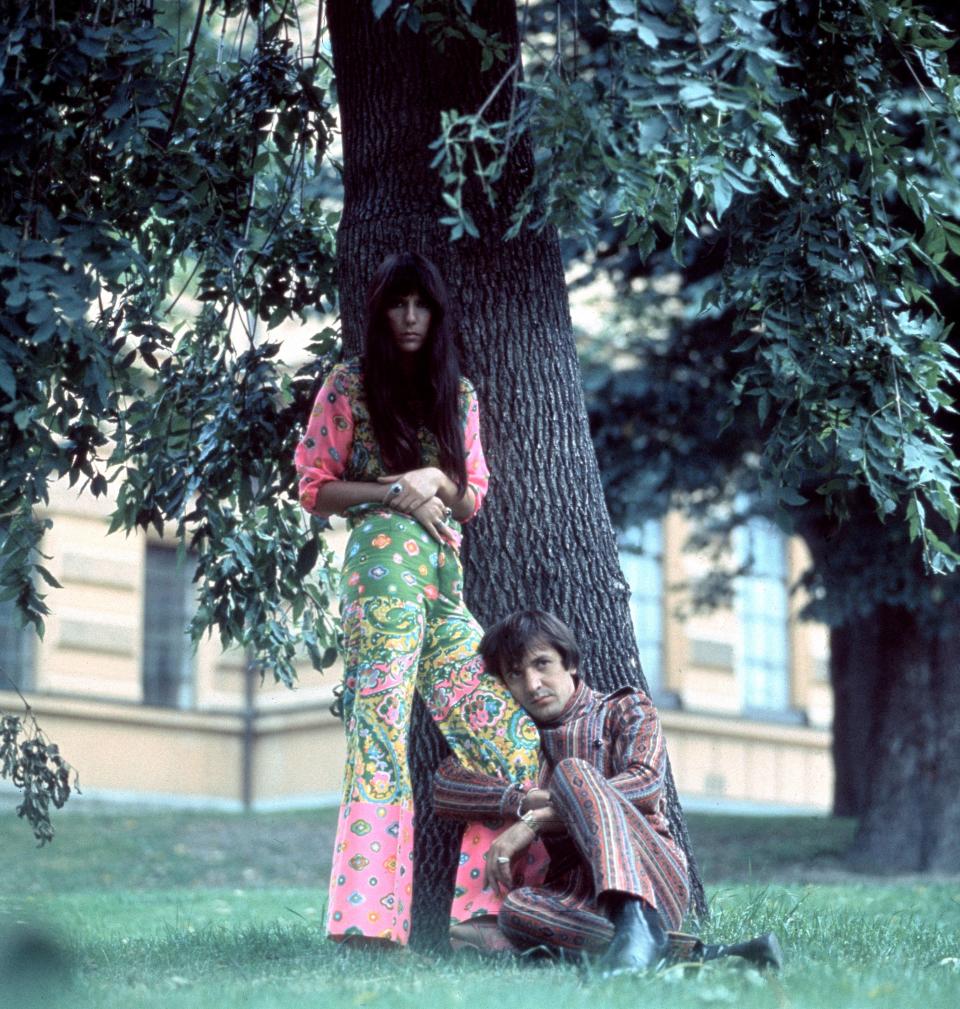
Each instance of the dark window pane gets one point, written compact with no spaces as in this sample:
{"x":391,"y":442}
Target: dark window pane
{"x":16,"y":650}
{"x":167,"y":652}
{"x":641,"y":558}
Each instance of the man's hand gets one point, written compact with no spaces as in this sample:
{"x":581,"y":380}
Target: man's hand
{"x":499,"y":870}
{"x":536,"y":798}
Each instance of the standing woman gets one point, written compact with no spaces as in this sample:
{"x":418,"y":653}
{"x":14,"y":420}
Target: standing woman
{"x":393,"y":443}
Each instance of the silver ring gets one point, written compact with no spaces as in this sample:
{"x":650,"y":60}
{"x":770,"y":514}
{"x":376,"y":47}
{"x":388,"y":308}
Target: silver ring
{"x":448,"y":514}
{"x":502,"y":859}
{"x":395,"y":489}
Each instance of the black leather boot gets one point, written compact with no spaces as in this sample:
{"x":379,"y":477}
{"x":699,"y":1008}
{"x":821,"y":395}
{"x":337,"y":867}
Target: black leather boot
{"x":639,"y":941}
{"x":762,"y":951}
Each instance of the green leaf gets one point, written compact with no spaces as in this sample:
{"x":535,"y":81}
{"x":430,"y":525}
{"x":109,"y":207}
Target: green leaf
{"x":722,"y":194}
{"x":8,"y":381}
{"x":647,"y":36}
{"x":652,"y":132}
{"x":469,"y":226}
{"x":915,"y":516}
{"x":791,"y":496}
{"x":307,"y":557}
{"x":46,"y":576}
{"x":92,"y":47}
{"x":695,"y":92}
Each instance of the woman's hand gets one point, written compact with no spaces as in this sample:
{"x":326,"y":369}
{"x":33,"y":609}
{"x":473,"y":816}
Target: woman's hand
{"x":499,"y":869}
{"x":433,"y":515}
{"x":408,"y":491}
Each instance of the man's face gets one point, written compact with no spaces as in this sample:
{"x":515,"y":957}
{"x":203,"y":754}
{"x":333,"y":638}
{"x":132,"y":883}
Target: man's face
{"x":539,"y":683}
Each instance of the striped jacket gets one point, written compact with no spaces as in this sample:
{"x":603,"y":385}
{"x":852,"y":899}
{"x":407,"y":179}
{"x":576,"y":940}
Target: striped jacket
{"x":618,"y":734}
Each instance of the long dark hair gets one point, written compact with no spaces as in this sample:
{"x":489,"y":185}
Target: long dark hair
{"x":398,"y":407}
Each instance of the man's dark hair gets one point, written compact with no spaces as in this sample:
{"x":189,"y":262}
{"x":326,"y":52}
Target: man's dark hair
{"x":507,"y":641}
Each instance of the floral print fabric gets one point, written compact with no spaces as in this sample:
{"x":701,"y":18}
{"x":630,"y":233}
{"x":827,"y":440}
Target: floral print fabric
{"x":339,"y":443}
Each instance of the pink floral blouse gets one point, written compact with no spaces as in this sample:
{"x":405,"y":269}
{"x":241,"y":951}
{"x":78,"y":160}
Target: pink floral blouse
{"x":339,"y":443}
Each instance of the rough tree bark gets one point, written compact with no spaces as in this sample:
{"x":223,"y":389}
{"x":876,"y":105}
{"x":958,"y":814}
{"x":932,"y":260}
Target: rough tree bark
{"x":544,"y":537}
{"x":854,"y":660}
{"x":901,"y":735}
{"x":896,"y":687}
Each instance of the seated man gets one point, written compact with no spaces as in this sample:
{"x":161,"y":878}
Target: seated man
{"x":616,"y":879}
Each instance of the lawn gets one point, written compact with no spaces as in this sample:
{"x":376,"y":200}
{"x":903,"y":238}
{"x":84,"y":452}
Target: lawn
{"x":197,"y":910}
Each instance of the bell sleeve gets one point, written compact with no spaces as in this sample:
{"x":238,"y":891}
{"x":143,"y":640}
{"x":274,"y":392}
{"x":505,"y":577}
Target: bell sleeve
{"x":478,"y":476}
{"x":322,"y":453}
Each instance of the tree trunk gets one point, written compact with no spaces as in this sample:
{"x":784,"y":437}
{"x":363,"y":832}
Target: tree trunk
{"x":855,"y":661}
{"x":896,"y":691}
{"x":544,"y":537}
{"x":910,"y":819}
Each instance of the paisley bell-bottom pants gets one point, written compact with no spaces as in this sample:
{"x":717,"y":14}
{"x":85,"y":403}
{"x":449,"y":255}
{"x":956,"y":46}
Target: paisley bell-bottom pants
{"x":406,"y":629}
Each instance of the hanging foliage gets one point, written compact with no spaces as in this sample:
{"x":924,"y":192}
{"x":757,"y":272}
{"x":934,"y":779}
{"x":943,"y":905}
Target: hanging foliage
{"x":779,"y":129}
{"x":162,"y":210}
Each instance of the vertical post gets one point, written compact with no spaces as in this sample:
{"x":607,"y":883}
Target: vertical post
{"x":249,"y":718}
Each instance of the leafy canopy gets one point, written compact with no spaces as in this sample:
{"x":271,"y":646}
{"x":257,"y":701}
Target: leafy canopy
{"x":162,"y":210}
{"x":169,"y":199}
{"x":786,"y":134}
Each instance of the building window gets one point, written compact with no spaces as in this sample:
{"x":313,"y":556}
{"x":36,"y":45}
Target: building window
{"x":17,"y":645}
{"x":167,"y":650}
{"x":763,"y":655}
{"x":641,"y":559}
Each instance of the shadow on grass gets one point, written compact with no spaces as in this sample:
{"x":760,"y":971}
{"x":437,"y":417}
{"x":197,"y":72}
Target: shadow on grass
{"x":36,"y":966}
{"x":771,"y":848}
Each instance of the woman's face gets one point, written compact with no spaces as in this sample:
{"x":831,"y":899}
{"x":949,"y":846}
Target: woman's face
{"x":409,"y":321}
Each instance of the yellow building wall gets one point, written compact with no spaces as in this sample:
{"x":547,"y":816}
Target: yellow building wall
{"x":720,"y":757}
{"x":288,"y":749}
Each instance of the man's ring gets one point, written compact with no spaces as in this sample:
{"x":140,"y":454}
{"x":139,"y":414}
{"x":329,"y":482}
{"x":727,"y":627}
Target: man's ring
{"x":394,"y":490}
{"x":502,"y":859}
{"x":448,"y":514}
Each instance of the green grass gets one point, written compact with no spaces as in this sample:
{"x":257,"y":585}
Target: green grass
{"x":200,"y":911}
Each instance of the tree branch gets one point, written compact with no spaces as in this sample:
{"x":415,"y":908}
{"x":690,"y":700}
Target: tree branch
{"x":191,"y":54}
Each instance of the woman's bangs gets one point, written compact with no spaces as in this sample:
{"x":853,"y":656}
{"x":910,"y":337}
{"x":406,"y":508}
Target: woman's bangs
{"x":406,"y":279}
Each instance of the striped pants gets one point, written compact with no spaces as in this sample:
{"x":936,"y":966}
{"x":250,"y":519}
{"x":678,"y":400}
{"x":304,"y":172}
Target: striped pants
{"x":610,"y":847}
